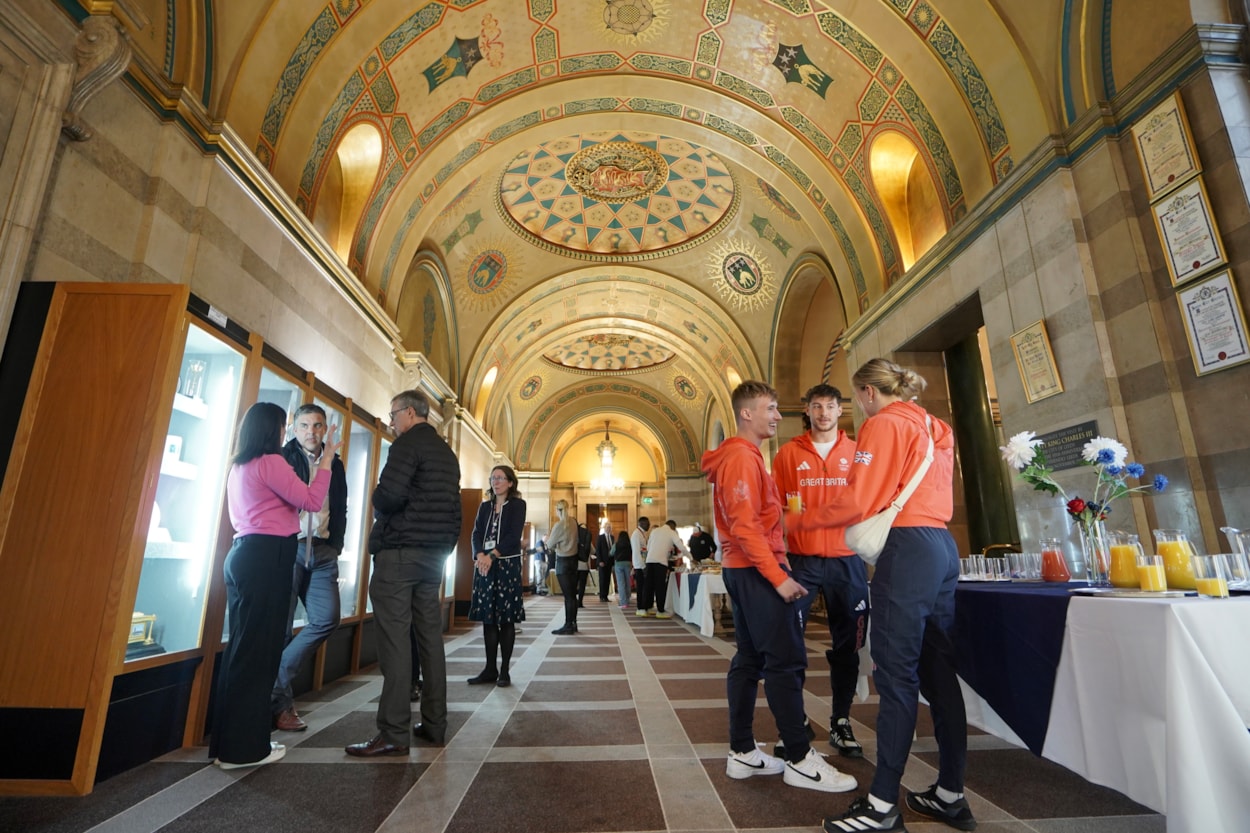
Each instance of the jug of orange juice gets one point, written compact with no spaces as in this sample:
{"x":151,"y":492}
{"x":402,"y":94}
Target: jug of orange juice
{"x":1176,"y":550}
{"x":1125,"y":547}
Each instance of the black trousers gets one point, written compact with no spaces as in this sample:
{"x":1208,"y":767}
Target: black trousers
{"x":566,"y":571}
{"x":258,"y":592}
{"x":605,"y":580}
{"x":657,"y":586}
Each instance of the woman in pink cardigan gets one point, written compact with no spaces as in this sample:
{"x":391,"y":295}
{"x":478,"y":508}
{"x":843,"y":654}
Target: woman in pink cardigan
{"x":265,"y":496}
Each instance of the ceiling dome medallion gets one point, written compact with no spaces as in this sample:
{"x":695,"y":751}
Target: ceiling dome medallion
{"x":616,"y":196}
{"x":608,"y":353}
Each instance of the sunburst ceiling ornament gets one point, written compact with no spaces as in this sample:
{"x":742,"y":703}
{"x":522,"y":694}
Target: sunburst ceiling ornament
{"x":742,"y":275}
{"x":627,"y":22}
{"x":616,"y":195}
{"x":488,"y":277}
{"x":608,"y":353}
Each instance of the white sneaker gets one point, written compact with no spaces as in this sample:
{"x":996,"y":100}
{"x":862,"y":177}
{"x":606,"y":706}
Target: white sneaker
{"x":276,"y":751}
{"x":756,"y":762}
{"x":815,"y":773}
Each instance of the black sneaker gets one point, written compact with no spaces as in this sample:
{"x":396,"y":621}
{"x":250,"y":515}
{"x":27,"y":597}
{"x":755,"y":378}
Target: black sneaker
{"x":842,"y":738}
{"x":779,"y":748}
{"x":861,"y":816}
{"x":956,"y":813}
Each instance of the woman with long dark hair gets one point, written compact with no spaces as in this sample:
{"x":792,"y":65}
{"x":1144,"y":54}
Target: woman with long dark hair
{"x":496,"y":600}
{"x":912,"y":595}
{"x":622,"y":567}
{"x":265,"y":497}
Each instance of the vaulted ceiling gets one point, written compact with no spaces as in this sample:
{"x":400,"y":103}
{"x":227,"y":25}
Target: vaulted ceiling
{"x":621,"y":207}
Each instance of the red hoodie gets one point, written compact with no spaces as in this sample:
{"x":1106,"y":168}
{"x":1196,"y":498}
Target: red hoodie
{"x":798,"y":467}
{"x":748,"y":508}
{"x":890,"y":447}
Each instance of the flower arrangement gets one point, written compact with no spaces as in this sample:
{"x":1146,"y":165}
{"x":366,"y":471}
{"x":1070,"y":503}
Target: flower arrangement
{"x":1023,"y":453}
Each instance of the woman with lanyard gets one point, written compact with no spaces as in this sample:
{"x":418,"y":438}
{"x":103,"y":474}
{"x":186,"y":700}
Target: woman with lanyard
{"x":496,"y":601}
{"x":912,"y":594}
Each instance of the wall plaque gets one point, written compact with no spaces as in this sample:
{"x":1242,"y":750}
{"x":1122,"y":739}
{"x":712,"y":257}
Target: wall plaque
{"x":1063,"y":447}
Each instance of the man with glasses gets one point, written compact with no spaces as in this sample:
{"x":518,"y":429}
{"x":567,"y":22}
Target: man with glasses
{"x":315,"y":579}
{"x":416,"y":525}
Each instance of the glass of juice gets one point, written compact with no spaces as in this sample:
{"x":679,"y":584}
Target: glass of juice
{"x":1150,"y":575}
{"x":794,"y":502}
{"x":1177,"y":553}
{"x":1211,"y":576}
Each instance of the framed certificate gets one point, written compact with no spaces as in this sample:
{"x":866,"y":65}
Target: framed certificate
{"x":1191,"y":241}
{"x":1165,"y":146}
{"x":1214,"y":323}
{"x":1036,"y":362}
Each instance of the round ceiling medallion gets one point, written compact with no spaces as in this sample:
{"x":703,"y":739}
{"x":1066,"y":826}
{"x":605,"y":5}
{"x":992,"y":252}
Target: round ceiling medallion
{"x":616,"y":195}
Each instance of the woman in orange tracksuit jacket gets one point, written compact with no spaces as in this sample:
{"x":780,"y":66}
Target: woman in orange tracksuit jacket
{"x":912,"y":592}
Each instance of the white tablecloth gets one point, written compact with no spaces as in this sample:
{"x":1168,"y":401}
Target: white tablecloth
{"x":696,"y":609}
{"x":1152,"y":698}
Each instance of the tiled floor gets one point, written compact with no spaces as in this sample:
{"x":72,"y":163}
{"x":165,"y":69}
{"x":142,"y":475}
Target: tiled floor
{"x":620,"y":728}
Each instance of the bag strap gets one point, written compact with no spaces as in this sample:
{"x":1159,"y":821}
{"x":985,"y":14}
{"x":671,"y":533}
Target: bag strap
{"x":914,"y":483}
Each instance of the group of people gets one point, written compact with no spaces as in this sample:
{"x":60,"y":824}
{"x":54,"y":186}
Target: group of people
{"x":288,"y":507}
{"x":783,"y":541}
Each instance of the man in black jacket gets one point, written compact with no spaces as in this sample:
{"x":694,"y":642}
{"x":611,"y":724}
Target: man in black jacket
{"x":603,"y":555}
{"x":315,"y":578}
{"x":416,"y":525}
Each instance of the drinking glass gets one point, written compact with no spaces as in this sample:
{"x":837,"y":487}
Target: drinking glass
{"x":1150,"y":574}
{"x":1211,"y":576}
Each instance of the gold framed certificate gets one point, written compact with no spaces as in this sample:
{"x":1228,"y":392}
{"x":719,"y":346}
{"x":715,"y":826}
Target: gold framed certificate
{"x":1036,"y":362}
{"x":1165,"y":147}
{"x":1187,"y":230}
{"x":1214,"y":324}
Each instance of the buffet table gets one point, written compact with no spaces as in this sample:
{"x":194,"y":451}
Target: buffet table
{"x":1150,"y":697}
{"x":696,"y":598}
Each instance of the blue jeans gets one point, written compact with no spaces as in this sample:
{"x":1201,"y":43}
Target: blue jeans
{"x":844,"y":584}
{"x":318,"y":588}
{"x":622,"y":570}
{"x":913,"y":614}
{"x":769,"y":634}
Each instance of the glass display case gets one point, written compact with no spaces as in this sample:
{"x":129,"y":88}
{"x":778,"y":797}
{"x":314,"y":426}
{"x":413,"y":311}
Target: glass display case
{"x":169,"y":607}
{"x":382,"y":455}
{"x":359,"y":490}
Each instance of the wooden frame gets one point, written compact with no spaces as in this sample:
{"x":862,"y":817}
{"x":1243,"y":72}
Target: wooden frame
{"x":1038,"y":373}
{"x":1187,"y":230}
{"x":1165,"y":147}
{"x":1214,"y":324}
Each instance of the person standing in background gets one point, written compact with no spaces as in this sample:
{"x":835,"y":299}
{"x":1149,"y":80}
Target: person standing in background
{"x":622,"y":567}
{"x":603,"y":555}
{"x":662,"y":545}
{"x":415,"y":529}
{"x":562,"y":543}
{"x":496,"y":600}
{"x":264,"y":496}
{"x":702,"y":545}
{"x":767,"y":628}
{"x":638,"y":555}
{"x":811,"y":470}
{"x":585,"y":544}
{"x":913,"y":595}
{"x":315,"y":577}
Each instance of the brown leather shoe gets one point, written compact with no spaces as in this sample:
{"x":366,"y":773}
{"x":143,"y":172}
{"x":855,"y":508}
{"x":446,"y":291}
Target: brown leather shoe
{"x":289,"y":721}
{"x":374,"y":747}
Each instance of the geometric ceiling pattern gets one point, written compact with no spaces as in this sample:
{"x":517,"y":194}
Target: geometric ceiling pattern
{"x":608,"y":352}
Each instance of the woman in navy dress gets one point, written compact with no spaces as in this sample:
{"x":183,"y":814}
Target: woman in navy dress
{"x":496,"y":601}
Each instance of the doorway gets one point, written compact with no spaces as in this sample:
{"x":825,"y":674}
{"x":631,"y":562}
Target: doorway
{"x":616,"y":513}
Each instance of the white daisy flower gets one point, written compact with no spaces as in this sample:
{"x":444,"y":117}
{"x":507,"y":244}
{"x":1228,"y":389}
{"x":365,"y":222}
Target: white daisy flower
{"x":1019,"y":450}
{"x":1095,"y":446}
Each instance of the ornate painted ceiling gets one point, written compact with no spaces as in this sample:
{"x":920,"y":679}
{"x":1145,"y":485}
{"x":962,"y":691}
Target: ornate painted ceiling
{"x":612,"y":206}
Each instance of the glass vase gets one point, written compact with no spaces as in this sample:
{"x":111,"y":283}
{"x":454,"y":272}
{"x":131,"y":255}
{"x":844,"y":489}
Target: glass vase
{"x":1096,"y":552}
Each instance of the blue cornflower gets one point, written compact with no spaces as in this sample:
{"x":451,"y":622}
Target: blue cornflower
{"x":1105,"y":456}
{"x":1161,"y":483}
{"x":1114,"y":471}
{"x":1135,"y":469}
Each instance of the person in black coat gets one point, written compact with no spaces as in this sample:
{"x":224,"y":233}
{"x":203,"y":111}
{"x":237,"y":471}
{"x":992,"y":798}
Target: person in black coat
{"x":603,"y":555}
{"x":702,"y":545}
{"x":496,"y":600}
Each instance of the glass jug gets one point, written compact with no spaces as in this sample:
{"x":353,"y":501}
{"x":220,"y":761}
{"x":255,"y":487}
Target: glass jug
{"x":1125,"y":547}
{"x":1054,"y":567}
{"x":1176,"y":550}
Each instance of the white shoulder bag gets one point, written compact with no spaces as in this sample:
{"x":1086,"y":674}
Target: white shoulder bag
{"x":867,"y":538}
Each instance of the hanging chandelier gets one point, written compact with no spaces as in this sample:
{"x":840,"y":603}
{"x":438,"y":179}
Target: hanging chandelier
{"x":606,"y":452}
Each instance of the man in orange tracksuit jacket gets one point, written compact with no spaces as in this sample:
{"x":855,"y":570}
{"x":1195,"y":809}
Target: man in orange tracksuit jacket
{"x":767,"y":628}
{"x":811,"y":470}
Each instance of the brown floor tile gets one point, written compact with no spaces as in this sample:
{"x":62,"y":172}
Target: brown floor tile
{"x":668,"y":650}
{"x":704,"y":689}
{"x":572,"y":692}
{"x":588,"y":650}
{"x":767,"y":802}
{"x":866,"y":713}
{"x":612,"y":727}
{"x":554,"y":797}
{"x":689,"y":666}
{"x":570,"y":667}
{"x":357,"y":727}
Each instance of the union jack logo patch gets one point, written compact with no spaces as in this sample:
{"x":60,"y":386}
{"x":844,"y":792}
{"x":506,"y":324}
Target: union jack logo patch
{"x":863,"y":457}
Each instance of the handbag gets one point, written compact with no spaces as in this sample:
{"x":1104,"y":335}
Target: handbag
{"x":867,"y":538}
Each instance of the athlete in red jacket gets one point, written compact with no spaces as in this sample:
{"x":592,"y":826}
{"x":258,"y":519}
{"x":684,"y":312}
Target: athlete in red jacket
{"x":812,"y":470}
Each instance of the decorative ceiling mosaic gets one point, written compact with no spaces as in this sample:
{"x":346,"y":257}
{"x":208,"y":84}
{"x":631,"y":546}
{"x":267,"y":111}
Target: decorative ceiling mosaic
{"x":608,"y":196}
{"x":608,"y":352}
{"x":741,"y":275}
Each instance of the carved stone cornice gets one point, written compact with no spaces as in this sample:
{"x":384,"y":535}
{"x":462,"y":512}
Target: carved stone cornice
{"x":102,"y":53}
